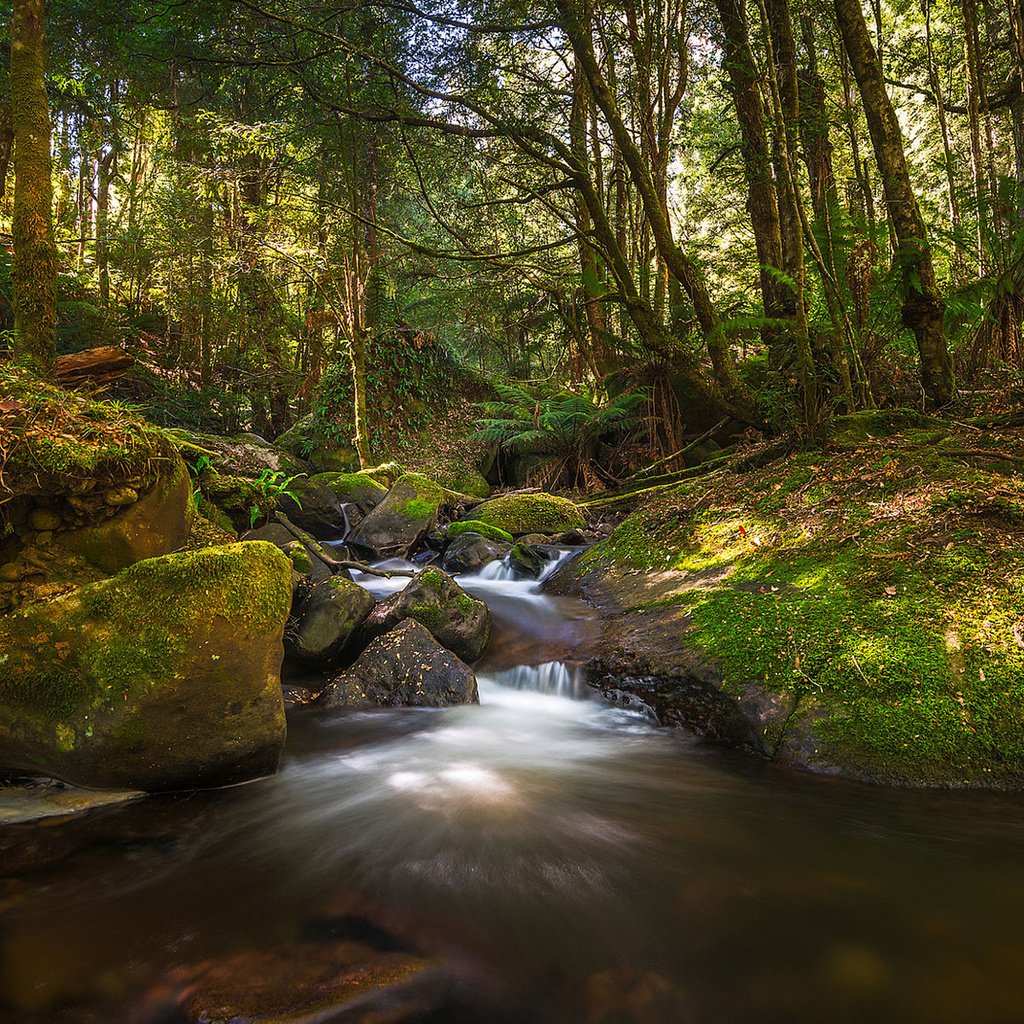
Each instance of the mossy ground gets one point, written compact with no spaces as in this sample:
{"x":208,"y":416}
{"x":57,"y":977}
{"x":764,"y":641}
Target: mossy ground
{"x":883,"y":587}
{"x":62,"y":439}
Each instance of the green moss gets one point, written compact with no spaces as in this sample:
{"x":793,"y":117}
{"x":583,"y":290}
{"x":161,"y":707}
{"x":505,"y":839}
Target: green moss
{"x":351,"y":487}
{"x":518,"y":514}
{"x":476,"y":526}
{"x":886,"y":598}
{"x":67,"y":439}
{"x":126,"y":634}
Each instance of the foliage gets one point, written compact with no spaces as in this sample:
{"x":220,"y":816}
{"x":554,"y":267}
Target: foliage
{"x":561,"y":429}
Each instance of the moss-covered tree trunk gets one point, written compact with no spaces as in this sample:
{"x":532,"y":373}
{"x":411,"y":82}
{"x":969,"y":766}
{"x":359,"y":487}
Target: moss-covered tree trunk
{"x":34,"y":267}
{"x":923,"y":305}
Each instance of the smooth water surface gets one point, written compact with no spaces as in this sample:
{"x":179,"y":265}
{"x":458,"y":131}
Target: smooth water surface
{"x":567,"y":862}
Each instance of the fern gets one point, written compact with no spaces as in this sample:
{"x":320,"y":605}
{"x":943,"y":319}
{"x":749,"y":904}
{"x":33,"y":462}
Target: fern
{"x":563,"y":428}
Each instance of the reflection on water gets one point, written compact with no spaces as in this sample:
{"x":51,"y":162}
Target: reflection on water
{"x":569,"y":862}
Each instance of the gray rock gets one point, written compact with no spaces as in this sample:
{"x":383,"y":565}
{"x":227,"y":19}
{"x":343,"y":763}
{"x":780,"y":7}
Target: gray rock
{"x":327,"y":620}
{"x":406,"y":666}
{"x":527,"y":560}
{"x":402,"y":519}
{"x":470,"y":552}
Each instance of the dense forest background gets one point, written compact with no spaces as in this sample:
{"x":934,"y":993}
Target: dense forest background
{"x":649,"y":217}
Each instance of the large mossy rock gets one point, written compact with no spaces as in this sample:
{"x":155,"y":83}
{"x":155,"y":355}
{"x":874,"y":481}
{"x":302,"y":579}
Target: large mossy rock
{"x":530,"y":513}
{"x":327,"y":620}
{"x":355,"y":489}
{"x":406,"y":667}
{"x":155,"y":524}
{"x":434,"y":600}
{"x":166,"y":676}
{"x":402,"y":519}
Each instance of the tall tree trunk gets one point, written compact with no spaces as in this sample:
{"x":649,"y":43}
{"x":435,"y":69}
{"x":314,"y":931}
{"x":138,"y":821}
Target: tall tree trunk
{"x":923,"y":305}
{"x":34,"y":266}
{"x":762,"y":200}
{"x":679,"y":264}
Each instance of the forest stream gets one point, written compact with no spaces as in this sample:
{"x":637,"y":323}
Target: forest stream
{"x":551,"y":857}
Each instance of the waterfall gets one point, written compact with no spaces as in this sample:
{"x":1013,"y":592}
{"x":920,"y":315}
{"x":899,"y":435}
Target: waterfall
{"x":553,"y":677}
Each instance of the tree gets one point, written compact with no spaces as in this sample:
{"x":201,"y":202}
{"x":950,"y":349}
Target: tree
{"x":923,"y":305}
{"x":34,"y":267}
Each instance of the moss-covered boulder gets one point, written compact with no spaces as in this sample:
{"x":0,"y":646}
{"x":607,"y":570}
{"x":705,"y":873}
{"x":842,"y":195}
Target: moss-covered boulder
{"x":402,"y":519}
{"x":326,"y":621}
{"x":387,"y":473}
{"x":434,"y":600}
{"x":155,"y":524}
{"x":354,"y":489}
{"x":406,"y":666}
{"x":529,"y":513}
{"x":165,"y":676}
{"x":471,"y":482}
{"x":308,"y":564}
{"x":482,"y":529}
{"x":237,"y":498}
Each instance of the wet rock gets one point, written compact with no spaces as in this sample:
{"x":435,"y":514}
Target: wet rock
{"x":625,"y":995}
{"x":360,"y":492}
{"x":519,"y":514}
{"x":342,"y":980}
{"x":434,"y":600}
{"x":527,"y":560}
{"x":33,"y":801}
{"x":327,"y":620}
{"x":404,"y":667}
{"x":314,"y":508}
{"x":402,"y":519}
{"x":470,"y":552}
{"x":166,"y":676}
{"x":476,"y":526}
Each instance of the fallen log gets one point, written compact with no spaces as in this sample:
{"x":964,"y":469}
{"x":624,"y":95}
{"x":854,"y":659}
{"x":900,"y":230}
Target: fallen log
{"x":99,"y":365}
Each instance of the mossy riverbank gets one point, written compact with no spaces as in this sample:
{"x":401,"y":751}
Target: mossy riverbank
{"x":860,"y":608}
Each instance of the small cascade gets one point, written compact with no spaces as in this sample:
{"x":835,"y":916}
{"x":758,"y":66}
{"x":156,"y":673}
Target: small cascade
{"x":554,"y":677}
{"x":499,"y":569}
{"x":348,"y":522}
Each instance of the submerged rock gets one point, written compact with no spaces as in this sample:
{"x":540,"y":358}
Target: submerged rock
{"x":402,"y":519}
{"x":530,"y":513}
{"x":166,"y":676}
{"x":406,"y":666}
{"x":327,"y":620}
{"x":434,"y":600}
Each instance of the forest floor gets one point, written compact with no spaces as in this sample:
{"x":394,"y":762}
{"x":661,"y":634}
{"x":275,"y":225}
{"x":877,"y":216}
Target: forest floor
{"x":863,"y":603}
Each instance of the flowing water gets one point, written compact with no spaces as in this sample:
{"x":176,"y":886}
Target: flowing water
{"x":562,"y":861}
